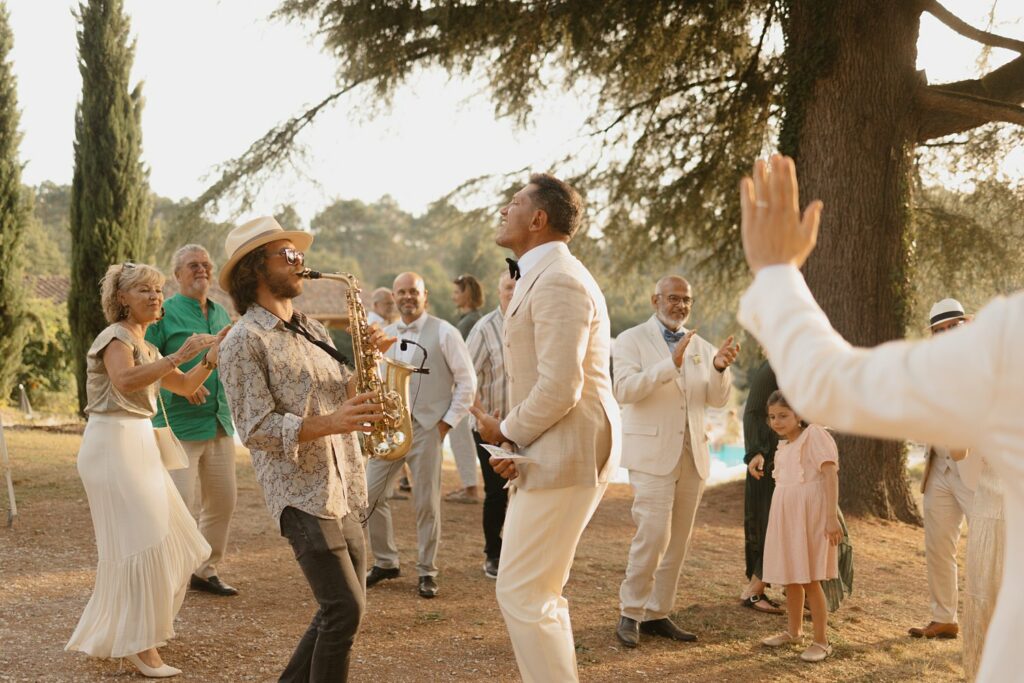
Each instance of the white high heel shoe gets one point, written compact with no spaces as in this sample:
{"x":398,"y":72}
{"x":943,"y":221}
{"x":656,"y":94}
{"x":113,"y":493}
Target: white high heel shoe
{"x":162,"y":671}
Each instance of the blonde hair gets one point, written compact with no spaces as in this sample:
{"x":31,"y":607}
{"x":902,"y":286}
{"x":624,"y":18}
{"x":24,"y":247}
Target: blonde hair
{"x":121,"y":277}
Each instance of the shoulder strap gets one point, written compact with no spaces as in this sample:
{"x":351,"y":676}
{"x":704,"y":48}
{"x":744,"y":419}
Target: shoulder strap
{"x":334,"y":353}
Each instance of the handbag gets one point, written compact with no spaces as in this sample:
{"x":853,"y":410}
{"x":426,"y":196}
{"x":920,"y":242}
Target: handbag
{"x":172,"y":453}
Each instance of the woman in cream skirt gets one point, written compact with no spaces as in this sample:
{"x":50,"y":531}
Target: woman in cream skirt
{"x":147,"y":542}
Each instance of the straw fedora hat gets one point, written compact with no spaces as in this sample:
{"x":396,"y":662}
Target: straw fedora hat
{"x":257,"y":232}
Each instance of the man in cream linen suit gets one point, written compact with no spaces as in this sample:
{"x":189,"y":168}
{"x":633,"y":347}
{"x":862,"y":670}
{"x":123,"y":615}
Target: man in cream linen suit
{"x":948,"y":484}
{"x":963,"y":388}
{"x":563,"y":416}
{"x":664,"y":376}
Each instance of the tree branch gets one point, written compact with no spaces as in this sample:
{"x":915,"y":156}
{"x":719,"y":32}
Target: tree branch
{"x":963,"y":28}
{"x":948,"y":108}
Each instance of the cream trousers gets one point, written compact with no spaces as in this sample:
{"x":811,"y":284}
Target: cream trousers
{"x":542,"y":530}
{"x":947,"y":500}
{"x":212,"y":464}
{"x":664,"y":508}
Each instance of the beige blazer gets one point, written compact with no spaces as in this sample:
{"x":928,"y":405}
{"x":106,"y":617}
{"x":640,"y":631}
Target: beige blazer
{"x":557,"y":350}
{"x":660,"y":400}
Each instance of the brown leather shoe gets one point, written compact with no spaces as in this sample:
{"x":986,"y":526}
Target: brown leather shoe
{"x":935,"y":629}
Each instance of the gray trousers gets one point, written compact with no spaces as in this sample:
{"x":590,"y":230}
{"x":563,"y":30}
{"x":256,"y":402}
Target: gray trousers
{"x":212,"y":464}
{"x":424,"y":459}
{"x":464,"y":451}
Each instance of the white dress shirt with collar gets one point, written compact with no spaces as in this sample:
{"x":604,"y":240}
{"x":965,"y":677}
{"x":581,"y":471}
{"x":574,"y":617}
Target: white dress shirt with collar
{"x":456,"y":354}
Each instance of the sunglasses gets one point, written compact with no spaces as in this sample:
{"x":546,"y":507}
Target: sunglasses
{"x":293,"y":257}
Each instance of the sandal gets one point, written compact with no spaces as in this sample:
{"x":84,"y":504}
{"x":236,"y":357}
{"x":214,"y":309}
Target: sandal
{"x":816,"y":652}
{"x":784,"y":638}
{"x":761,"y":603}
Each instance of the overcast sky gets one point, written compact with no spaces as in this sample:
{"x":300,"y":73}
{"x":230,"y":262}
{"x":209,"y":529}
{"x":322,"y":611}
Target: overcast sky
{"x":218,"y":74}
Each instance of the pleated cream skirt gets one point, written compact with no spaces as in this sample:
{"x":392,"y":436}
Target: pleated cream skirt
{"x":147,"y":542}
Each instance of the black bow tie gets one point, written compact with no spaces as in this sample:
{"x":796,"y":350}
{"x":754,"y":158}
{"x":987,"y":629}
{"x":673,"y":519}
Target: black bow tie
{"x":513,"y":268}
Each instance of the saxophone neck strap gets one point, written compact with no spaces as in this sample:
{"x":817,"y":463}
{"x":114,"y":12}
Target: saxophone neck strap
{"x":298,"y":329}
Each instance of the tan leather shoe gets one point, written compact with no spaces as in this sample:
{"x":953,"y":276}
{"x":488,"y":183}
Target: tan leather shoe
{"x":935,"y":629}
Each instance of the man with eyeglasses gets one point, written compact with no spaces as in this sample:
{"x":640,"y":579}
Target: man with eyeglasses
{"x":948,"y":484}
{"x":663,"y":377}
{"x":202,"y":422}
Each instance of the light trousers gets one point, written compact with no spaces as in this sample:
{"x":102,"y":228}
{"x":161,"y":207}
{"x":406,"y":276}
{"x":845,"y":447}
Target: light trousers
{"x":424,"y":459}
{"x":464,"y":451}
{"x":947,"y":500}
{"x":542,"y":530}
{"x":664,"y":509}
{"x":212,"y":464}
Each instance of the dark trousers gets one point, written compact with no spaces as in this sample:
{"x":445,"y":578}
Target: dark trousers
{"x":333,"y":559}
{"x":495,"y":502}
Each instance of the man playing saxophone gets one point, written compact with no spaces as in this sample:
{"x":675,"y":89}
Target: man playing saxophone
{"x":296,"y":409}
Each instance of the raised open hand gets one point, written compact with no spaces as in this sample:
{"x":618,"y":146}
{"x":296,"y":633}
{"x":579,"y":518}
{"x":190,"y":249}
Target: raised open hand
{"x":727,"y":353}
{"x":774,"y":232}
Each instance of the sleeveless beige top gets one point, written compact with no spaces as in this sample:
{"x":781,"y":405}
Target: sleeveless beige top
{"x":103,"y":397}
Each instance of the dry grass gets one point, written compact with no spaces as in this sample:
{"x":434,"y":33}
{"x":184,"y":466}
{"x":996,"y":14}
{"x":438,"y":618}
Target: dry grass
{"x":47,"y":562}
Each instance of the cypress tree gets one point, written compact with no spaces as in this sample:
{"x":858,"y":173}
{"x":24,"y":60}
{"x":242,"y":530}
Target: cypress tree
{"x":110,"y":204}
{"x":13,"y":219}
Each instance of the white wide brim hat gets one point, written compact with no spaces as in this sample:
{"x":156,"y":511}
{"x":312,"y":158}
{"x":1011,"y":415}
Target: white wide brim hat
{"x":947,"y":309}
{"x":246,"y":238}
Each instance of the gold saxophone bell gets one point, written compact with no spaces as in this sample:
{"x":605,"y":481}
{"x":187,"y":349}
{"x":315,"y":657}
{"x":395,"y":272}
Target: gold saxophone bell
{"x":391,"y":437}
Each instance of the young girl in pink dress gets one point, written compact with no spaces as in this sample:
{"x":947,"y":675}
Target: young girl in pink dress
{"x":800,"y":548}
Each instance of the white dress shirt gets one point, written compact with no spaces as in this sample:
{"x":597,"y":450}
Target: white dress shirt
{"x":456,"y":354}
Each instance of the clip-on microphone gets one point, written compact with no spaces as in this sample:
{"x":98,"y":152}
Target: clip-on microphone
{"x":404,"y":344}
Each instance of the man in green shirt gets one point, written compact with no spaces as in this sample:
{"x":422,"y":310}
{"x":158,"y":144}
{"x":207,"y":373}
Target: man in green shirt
{"x":203,"y":421}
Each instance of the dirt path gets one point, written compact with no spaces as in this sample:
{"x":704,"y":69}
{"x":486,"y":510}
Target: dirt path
{"x":47,"y":567}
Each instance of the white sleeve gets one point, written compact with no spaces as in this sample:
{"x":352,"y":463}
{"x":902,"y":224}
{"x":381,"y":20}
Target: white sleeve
{"x":456,"y":354}
{"x":939,"y":390}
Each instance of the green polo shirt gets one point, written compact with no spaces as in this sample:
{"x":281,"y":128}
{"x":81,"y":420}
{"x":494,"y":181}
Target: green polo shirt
{"x":183,"y":318}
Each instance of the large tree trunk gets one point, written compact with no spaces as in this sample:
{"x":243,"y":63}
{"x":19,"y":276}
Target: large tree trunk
{"x":849,"y":124}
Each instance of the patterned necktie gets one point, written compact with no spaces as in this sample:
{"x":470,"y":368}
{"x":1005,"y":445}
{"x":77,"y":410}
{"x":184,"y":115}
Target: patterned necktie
{"x":672,"y":337}
{"x":513,"y":268}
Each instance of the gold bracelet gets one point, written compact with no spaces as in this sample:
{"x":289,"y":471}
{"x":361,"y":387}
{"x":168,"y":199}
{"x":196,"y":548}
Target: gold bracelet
{"x":205,"y":362}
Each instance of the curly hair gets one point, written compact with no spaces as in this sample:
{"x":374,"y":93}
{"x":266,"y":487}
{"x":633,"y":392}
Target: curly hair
{"x":476,"y":292}
{"x":121,"y":277}
{"x":245,"y":278}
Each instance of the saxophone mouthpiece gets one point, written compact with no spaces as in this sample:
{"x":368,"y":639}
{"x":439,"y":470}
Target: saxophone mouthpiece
{"x":311,"y":274}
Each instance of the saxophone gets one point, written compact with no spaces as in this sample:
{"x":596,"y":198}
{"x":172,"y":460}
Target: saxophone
{"x":391,"y":437}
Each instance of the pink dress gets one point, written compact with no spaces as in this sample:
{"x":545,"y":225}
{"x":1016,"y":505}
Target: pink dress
{"x":795,"y":548}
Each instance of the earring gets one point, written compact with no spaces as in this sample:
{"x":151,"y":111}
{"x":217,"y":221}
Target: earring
{"x":163,"y":312}
{"x":125,"y":311}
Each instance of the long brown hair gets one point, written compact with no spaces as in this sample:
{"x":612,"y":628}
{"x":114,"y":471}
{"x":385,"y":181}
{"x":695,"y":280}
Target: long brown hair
{"x":245,"y":278}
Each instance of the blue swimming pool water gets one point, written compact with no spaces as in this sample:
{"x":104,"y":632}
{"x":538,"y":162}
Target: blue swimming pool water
{"x":729,"y":454}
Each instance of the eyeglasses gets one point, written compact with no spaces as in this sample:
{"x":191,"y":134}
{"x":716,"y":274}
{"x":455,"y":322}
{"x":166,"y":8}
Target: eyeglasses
{"x":676,"y":300}
{"x":293,"y":257}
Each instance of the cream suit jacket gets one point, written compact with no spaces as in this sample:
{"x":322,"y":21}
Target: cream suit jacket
{"x":656,"y":396}
{"x":963,"y":388}
{"x":557,"y":350}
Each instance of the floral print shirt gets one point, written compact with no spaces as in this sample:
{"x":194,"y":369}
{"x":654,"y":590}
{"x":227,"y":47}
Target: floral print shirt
{"x":274,"y":379}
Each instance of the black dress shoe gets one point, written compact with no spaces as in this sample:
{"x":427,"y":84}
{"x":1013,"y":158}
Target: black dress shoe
{"x":491,"y":567}
{"x":378,"y":574}
{"x":628,"y":631}
{"x":211,"y":585}
{"x":428,"y":587}
{"x":666,"y":629}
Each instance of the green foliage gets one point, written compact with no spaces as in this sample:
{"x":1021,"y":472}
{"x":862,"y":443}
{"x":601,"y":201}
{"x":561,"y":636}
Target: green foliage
{"x":110,"y":202}
{"x":13,"y":217}
{"x":46,"y":367}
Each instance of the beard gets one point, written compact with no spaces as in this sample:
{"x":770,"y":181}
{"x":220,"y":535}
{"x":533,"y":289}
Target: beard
{"x":282,"y":286}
